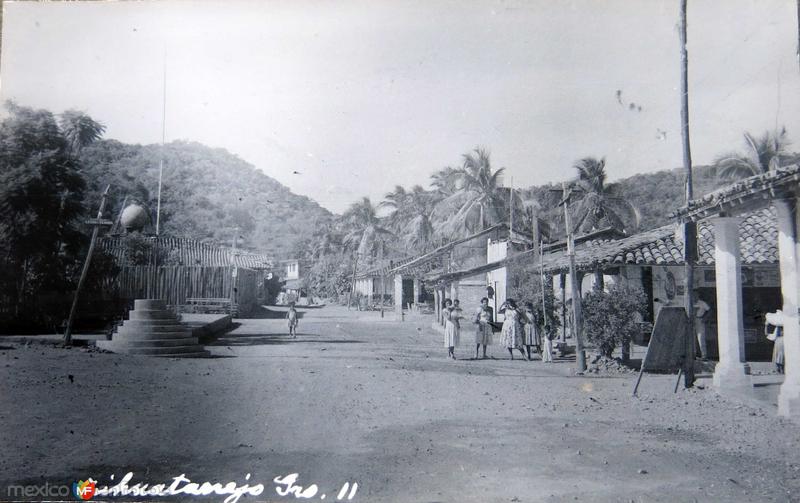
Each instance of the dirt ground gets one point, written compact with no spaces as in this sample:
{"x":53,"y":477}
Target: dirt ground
{"x":358,"y":399}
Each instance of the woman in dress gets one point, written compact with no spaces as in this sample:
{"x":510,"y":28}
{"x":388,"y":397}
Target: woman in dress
{"x":450,"y":328}
{"x":547,"y":344}
{"x":532,"y":336}
{"x":483,"y":328}
{"x":512,"y":334}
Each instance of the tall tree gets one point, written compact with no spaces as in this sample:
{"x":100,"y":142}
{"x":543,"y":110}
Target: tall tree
{"x":600,"y":204}
{"x":446,"y":181}
{"x":411,"y":216}
{"x":761,"y":155}
{"x":41,"y":193}
{"x":479,"y":201}
{"x":79,"y":130}
{"x":365,"y":231}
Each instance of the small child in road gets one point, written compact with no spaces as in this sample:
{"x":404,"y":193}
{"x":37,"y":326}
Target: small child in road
{"x":291,"y":316}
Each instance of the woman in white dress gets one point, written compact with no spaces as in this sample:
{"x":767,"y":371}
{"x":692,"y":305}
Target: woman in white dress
{"x":547,"y":344}
{"x":513,"y":336}
{"x":451,"y":327}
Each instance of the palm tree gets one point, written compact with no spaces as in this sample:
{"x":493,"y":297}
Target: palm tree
{"x":365,"y":231}
{"x":397,"y":200}
{"x":411,"y":217}
{"x":79,"y":129}
{"x":600,"y":204}
{"x":478,"y":203}
{"x":446,"y":181}
{"x":763,"y":154}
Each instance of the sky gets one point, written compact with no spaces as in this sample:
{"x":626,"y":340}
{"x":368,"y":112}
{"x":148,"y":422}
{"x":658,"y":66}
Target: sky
{"x":358,"y":96}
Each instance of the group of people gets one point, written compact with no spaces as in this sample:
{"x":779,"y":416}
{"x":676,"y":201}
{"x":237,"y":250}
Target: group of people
{"x":520,"y":331}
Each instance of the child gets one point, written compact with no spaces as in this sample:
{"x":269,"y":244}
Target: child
{"x":547,"y":345}
{"x":451,"y":331}
{"x":291,"y":315}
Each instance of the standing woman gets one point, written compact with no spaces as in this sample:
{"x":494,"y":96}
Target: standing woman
{"x":512,"y":335}
{"x":532,"y":336}
{"x":450,"y":331}
{"x":483,"y":329}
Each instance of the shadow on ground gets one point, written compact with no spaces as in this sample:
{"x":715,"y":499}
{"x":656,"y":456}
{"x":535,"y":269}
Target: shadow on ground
{"x":274,"y":339}
{"x":273,"y":313}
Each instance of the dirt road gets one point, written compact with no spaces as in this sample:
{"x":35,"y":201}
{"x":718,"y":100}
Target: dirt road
{"x":355,"y":399}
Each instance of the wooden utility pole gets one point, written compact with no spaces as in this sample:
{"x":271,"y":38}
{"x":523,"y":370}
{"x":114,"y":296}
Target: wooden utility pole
{"x":577,"y":323}
{"x":96,"y":223}
{"x":541,"y":276}
{"x":511,"y":211}
{"x":352,"y":291}
{"x":689,"y":228}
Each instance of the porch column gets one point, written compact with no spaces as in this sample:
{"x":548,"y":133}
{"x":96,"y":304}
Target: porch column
{"x":789,"y":395}
{"x":442,"y":296}
{"x":562,"y":285}
{"x":436,"y":304}
{"x":731,"y":373}
{"x":454,"y":290}
{"x":398,"y":296}
{"x":416,"y":291}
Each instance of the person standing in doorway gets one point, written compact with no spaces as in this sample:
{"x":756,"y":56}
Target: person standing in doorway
{"x":483,"y":330}
{"x":701,"y":310}
{"x":775,"y":320}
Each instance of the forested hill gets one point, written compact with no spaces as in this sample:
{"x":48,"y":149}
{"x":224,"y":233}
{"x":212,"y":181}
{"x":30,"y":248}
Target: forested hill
{"x":656,"y":195}
{"x":207,"y":193}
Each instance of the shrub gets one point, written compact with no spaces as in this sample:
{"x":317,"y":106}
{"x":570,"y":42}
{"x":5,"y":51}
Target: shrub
{"x":609,"y":317}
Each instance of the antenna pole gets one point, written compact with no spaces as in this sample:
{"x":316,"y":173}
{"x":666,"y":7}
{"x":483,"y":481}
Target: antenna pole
{"x":163,"y":137}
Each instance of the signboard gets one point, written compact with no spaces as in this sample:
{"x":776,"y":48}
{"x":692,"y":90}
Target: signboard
{"x":667,"y":347}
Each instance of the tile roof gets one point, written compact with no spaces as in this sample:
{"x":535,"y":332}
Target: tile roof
{"x":744,"y":195}
{"x":190,"y":252}
{"x":758,"y":237}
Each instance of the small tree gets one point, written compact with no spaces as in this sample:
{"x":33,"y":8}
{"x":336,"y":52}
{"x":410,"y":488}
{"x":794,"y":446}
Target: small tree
{"x":610,"y":318}
{"x":525,"y":284}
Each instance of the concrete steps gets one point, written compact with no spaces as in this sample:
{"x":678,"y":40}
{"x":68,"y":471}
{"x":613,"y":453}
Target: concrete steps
{"x":154,"y":330}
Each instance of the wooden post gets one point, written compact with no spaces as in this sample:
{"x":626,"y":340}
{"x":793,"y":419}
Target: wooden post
{"x":96,"y":224}
{"x":580,"y":356}
{"x":689,"y":228}
{"x":541,"y":276}
{"x":353,"y":286}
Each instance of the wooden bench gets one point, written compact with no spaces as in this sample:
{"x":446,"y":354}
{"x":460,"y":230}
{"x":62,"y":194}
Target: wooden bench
{"x":211,"y":306}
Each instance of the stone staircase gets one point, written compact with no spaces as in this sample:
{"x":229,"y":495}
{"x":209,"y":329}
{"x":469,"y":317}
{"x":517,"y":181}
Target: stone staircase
{"x":151,"y":329}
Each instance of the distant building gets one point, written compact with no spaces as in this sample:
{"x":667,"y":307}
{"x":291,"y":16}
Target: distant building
{"x":292,"y":269}
{"x":292,"y":290}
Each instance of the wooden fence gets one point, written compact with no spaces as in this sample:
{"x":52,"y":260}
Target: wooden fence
{"x":175,"y":284}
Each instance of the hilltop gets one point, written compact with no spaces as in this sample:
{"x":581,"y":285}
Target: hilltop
{"x":207,"y":193}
